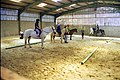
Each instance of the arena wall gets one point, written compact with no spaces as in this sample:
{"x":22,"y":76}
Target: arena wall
{"x":110,"y":31}
{"x":10,"y":28}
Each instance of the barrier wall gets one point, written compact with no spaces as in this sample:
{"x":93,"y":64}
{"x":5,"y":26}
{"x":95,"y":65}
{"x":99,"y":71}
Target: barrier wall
{"x":110,"y":31}
{"x":10,"y":28}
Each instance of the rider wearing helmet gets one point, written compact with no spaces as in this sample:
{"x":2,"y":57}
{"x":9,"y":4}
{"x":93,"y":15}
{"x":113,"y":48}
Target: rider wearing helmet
{"x":37,"y":29}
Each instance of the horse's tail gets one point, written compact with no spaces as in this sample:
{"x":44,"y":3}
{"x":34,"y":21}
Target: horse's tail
{"x":21,"y":35}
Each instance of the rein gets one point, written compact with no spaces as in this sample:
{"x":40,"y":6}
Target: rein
{"x":53,"y":29}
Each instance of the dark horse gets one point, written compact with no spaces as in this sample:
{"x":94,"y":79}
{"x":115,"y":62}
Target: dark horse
{"x":100,"y":32}
{"x":62,"y":34}
{"x":71,"y":33}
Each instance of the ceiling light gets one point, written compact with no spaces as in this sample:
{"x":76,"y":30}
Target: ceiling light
{"x":72,"y":5}
{"x":59,"y":9}
{"x":16,"y":0}
{"x":56,"y":0}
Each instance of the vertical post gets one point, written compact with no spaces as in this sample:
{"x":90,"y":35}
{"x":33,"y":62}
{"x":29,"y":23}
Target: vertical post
{"x":55,"y":22}
{"x":72,"y":19}
{"x":41,"y":21}
{"x":19,"y":27}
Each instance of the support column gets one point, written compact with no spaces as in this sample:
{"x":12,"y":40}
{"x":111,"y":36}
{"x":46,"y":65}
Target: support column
{"x":55,"y":21}
{"x":19,"y":27}
{"x":41,"y":21}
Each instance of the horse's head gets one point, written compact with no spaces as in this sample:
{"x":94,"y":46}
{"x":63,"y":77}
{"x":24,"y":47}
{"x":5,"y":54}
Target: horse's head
{"x":53,"y":29}
{"x":76,"y":30}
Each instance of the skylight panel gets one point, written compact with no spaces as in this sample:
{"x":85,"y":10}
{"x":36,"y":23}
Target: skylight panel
{"x":72,"y":5}
{"x":56,"y":0}
{"x":59,"y":9}
{"x":16,"y":0}
{"x":41,"y":4}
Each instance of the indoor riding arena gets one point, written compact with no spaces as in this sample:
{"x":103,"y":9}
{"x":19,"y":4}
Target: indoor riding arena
{"x":60,"y":39}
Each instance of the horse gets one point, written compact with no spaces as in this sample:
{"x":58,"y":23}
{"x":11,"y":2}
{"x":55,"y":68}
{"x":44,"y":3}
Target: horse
{"x":95,"y":32}
{"x":62,"y":34}
{"x":27,"y":34}
{"x":71,"y":32}
{"x":102,"y":32}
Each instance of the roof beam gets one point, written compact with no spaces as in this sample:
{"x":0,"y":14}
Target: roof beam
{"x":62,"y":6}
{"x":30,"y":5}
{"x":11,"y":4}
{"x":83,"y":7}
{"x":76,"y":9}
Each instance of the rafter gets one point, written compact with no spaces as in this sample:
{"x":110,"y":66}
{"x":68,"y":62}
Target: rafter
{"x":62,"y":6}
{"x":84,"y":7}
{"x":76,"y":9}
{"x":54,"y":5}
{"x":11,"y":4}
{"x":30,"y":5}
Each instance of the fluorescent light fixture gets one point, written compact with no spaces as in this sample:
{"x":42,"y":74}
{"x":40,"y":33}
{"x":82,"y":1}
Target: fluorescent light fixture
{"x":16,"y":0}
{"x":56,"y":0}
{"x":41,"y":4}
{"x":59,"y":9}
{"x":72,"y":5}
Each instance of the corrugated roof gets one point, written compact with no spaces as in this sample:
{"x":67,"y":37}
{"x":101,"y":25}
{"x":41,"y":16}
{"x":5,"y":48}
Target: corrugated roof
{"x":58,"y":8}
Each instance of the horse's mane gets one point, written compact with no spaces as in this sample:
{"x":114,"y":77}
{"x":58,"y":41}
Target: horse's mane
{"x":73,"y":29}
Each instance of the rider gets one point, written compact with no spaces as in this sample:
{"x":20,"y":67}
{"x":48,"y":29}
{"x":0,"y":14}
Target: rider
{"x":37,"y":29}
{"x":97,"y":28}
{"x":59,"y":29}
{"x":65,"y":33}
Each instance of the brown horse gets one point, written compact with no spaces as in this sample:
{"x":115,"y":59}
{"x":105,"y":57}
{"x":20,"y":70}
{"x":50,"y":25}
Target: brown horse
{"x":53,"y":34}
{"x":71,"y":33}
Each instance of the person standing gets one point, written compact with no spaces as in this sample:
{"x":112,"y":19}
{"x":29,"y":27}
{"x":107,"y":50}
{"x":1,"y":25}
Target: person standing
{"x":65,"y":34}
{"x":37,"y":29}
{"x":82,"y":33}
{"x":68,"y":29}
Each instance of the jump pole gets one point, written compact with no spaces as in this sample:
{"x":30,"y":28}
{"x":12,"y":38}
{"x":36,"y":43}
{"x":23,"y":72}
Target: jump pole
{"x":88,"y":56}
{"x":21,"y":45}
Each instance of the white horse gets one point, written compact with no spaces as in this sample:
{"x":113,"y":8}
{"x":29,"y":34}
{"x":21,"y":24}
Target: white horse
{"x":91,"y":31}
{"x":31,"y":33}
{"x":54,"y":33}
{"x":62,"y":36}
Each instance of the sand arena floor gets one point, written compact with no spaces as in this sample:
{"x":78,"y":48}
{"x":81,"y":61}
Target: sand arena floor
{"x":62,"y":61}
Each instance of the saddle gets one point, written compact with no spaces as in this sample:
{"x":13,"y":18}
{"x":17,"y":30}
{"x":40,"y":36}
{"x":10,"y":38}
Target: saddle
{"x":38,"y":31}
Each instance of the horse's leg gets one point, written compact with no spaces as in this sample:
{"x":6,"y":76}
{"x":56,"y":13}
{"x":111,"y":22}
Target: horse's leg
{"x":51,"y":37}
{"x":70,"y":37}
{"x":42,"y":40}
{"x":104,"y":33}
{"x":25,"y":42}
{"x":61,"y":37}
{"x":54,"y":38}
{"x":29,"y":41}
